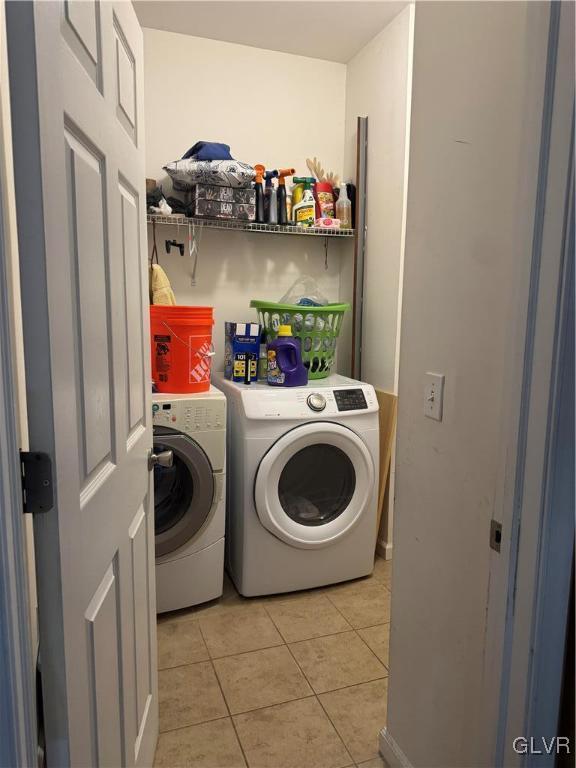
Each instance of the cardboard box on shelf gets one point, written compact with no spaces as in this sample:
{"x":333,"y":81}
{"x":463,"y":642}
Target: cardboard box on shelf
{"x":220,"y":209}
{"x":241,"y":347}
{"x":224,"y":194}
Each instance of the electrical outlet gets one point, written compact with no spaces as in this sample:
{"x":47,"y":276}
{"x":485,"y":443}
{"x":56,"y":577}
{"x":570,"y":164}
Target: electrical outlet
{"x":434,"y":396}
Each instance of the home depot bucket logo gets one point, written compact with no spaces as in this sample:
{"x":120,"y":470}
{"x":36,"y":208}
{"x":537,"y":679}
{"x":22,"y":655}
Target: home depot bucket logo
{"x":200,"y":360}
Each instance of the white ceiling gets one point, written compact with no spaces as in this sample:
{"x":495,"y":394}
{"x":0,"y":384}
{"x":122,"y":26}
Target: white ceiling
{"x":323,"y":29}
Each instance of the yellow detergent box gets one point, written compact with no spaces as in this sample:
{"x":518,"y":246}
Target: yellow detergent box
{"x":241,"y":349}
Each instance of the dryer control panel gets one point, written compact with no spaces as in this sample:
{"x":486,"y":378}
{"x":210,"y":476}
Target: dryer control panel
{"x":317,"y":400}
{"x":187,"y":414}
{"x":350,"y":399}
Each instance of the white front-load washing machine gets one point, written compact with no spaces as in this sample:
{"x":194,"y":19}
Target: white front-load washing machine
{"x":189,"y":497}
{"x":302,"y":484}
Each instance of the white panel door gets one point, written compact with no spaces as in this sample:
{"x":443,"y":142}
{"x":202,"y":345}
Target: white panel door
{"x":76,"y":75}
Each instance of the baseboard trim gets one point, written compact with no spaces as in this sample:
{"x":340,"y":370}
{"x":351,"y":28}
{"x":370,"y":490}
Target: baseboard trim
{"x":391,"y":752}
{"x":384,"y":549}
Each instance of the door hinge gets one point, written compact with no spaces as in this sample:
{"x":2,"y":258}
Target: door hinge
{"x":37,"y":489}
{"x":495,"y":535}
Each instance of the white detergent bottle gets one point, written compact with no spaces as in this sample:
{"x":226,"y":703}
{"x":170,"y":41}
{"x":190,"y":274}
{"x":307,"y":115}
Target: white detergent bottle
{"x":344,"y":208}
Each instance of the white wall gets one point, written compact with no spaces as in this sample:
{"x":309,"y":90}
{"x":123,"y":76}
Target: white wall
{"x":235,"y":267}
{"x":271,"y":107}
{"x":378,"y":83}
{"x":476,"y":113}
{"x":377,"y":86}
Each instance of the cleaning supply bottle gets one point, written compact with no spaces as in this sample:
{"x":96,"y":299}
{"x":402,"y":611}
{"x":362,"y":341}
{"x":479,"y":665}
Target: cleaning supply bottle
{"x":285,"y":366}
{"x":344,"y":208}
{"x":283,"y":217}
{"x":304,"y":212}
{"x":270,"y":205}
{"x":260,"y":170}
{"x":324,"y":196}
{"x":273,"y":207}
{"x":297,"y":192}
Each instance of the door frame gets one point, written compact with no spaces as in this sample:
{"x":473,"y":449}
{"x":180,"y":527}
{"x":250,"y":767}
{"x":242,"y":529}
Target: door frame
{"x":17,"y":703}
{"x":17,"y":675}
{"x":534,"y":639}
{"x":517,"y":586}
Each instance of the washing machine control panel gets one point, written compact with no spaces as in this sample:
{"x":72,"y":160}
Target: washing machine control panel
{"x":189,"y":415}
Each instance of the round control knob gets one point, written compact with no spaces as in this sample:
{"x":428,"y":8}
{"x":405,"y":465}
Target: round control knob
{"x":316,"y":401}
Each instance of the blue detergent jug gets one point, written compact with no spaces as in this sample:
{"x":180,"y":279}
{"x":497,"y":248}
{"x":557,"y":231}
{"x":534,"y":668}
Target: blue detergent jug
{"x":285,"y":366}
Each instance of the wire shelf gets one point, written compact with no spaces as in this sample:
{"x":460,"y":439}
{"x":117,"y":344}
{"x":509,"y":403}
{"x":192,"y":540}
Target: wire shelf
{"x":248,"y":226}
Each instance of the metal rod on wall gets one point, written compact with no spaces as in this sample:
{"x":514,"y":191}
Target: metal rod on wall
{"x":359,"y":244}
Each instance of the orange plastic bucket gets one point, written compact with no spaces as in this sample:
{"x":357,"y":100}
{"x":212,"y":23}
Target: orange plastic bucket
{"x":182,"y":353}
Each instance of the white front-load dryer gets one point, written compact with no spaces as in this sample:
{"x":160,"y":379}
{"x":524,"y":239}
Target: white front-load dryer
{"x":189,"y":497}
{"x":302,"y":484}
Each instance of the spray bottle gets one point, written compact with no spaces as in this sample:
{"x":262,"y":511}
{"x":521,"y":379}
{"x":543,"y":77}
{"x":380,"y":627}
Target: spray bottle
{"x":304,"y":213}
{"x":260,"y":171}
{"x":270,"y":204}
{"x":282,"y":209}
{"x":344,"y":208}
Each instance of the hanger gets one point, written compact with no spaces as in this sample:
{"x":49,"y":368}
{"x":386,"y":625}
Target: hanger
{"x":154,"y":256}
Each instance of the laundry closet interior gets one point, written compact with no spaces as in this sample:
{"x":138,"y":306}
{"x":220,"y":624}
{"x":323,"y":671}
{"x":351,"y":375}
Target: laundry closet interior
{"x":284,"y":655}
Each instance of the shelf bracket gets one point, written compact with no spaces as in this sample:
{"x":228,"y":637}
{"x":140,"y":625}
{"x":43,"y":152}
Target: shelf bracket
{"x":194,"y":234}
{"x":326,"y":252}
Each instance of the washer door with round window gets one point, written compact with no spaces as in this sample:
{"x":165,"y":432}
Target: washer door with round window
{"x":313,"y":485}
{"x":183,"y":492}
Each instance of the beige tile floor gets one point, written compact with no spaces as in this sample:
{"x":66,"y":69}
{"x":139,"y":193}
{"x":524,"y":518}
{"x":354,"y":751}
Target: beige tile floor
{"x":290,"y":681}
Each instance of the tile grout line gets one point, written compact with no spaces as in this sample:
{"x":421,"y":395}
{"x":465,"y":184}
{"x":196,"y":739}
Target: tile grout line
{"x":320,"y":703}
{"x":255,"y":709}
{"x":357,"y":628}
{"x":371,"y":626}
{"x":350,"y":627}
{"x":327,"y":596}
{"x":370,"y":649}
{"x":335,"y":727}
{"x":300,"y":668}
{"x":319,"y":637}
{"x":225,"y":701}
{"x":269,"y":647}
{"x":317,"y":696}
{"x":193,"y":725}
{"x":310,"y":695}
{"x":242,"y":653}
{"x":335,"y":634}
{"x":278,"y":645}
{"x":286,"y":643}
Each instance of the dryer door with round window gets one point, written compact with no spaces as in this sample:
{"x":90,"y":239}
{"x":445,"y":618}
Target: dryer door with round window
{"x":183,"y":492}
{"x":313,"y":484}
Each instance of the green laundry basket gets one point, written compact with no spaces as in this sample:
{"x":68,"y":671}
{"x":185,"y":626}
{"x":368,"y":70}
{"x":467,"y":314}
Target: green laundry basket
{"x":316,"y":327}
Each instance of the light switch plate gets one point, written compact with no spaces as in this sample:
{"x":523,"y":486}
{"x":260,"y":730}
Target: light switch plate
{"x":434,"y":396}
